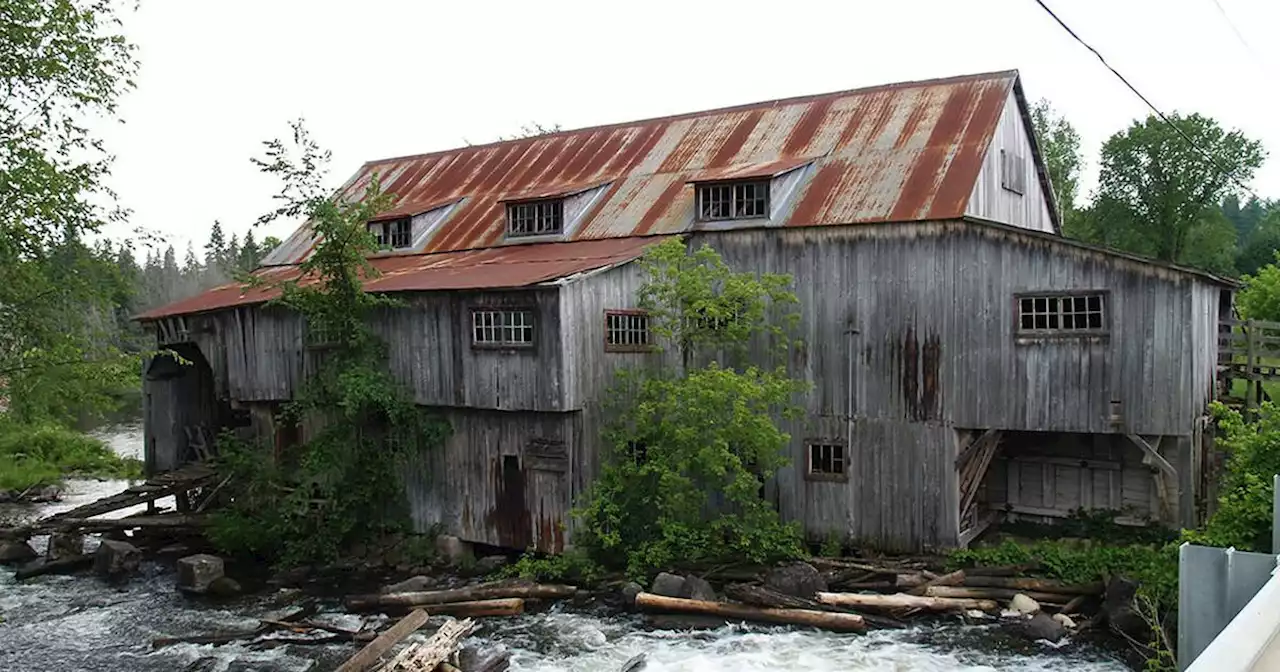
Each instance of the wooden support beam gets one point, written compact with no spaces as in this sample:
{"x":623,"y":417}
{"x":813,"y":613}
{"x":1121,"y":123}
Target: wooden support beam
{"x":970,"y":450}
{"x":975,"y":470}
{"x":1166,"y":477}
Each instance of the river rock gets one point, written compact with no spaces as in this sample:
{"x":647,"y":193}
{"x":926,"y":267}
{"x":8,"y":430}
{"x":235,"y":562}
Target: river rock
{"x":224,"y":586}
{"x":1024,"y":605}
{"x":667,"y":585}
{"x":1118,"y":611}
{"x":1065,"y":621}
{"x":697,"y":588}
{"x":797,"y":579}
{"x":629,"y":593}
{"x":1039,"y":626}
{"x":453,"y":550}
{"x":16,"y":552}
{"x":49,"y":493}
{"x":491,"y":563}
{"x":115,"y":558}
{"x":197,"y":572}
{"x":65,"y":545}
{"x":412,"y":584}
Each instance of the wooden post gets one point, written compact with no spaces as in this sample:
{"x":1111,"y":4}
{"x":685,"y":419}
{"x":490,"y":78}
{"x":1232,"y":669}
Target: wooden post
{"x":1250,"y":363}
{"x":374,"y":650}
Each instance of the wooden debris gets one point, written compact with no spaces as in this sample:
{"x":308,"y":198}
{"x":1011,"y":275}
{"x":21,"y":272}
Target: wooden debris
{"x":1056,"y":599}
{"x":1005,"y":570}
{"x":426,"y":656}
{"x":367,"y":657}
{"x":166,"y":521}
{"x":820,"y":619}
{"x":157,"y":487}
{"x":1074,"y":605}
{"x":635,"y":663}
{"x":512,"y":606}
{"x":953,"y":579}
{"x":62,"y":566}
{"x":289,"y":621}
{"x":1041,"y":585}
{"x":904,"y":601}
{"x":488,"y":591}
{"x":760,"y":596}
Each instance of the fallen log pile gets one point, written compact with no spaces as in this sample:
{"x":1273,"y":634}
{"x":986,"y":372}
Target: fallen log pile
{"x":840,"y":622}
{"x":487,"y":593}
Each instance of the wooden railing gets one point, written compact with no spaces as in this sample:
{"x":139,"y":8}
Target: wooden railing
{"x":1249,"y":351}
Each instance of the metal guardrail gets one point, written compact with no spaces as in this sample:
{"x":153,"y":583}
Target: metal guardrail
{"x":1229,"y":606}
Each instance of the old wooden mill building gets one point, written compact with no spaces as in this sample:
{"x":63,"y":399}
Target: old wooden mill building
{"x":966,"y":360}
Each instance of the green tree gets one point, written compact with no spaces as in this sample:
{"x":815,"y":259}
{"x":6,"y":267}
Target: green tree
{"x":1261,"y":246}
{"x":340,"y":486}
{"x":691,"y":446}
{"x":1060,"y":148}
{"x":64,"y":64}
{"x":250,"y":254}
{"x":1155,"y":189}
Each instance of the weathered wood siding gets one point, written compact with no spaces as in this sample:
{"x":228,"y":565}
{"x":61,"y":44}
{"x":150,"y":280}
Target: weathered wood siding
{"x":502,"y":478}
{"x":990,"y":200}
{"x":175,"y":397}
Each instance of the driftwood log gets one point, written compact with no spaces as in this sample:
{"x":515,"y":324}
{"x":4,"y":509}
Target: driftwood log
{"x":953,"y":579}
{"x":1004,"y":570}
{"x":820,"y":619}
{"x":488,"y":591}
{"x":959,"y":592}
{"x":367,"y":657}
{"x":425,"y":657}
{"x":759,"y":596}
{"x":1041,"y":585}
{"x":904,"y":601}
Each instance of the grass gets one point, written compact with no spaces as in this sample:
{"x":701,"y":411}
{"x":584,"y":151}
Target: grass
{"x":36,"y":455}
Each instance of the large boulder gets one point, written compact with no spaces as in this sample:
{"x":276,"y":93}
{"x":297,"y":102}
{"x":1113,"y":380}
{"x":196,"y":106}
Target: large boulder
{"x":1040,"y":626}
{"x":64,"y":545}
{"x":224,"y":586}
{"x":197,"y":572}
{"x":490,"y":564}
{"x":16,"y":552}
{"x":453,"y":550}
{"x":629,"y":593}
{"x":116,"y":558}
{"x":1118,"y":610}
{"x":697,"y":588}
{"x":667,"y":585}
{"x":797,"y":579}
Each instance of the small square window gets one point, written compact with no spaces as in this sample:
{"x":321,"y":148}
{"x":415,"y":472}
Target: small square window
{"x":627,"y":331}
{"x":395,"y":234}
{"x":502,"y":328}
{"x":535,"y":218}
{"x":733,"y":200}
{"x":827,"y":461}
{"x":1066,"y":314}
{"x":1013,"y":173}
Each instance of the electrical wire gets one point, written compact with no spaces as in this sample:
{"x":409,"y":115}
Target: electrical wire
{"x":1240,"y":37}
{"x":1192,"y":143}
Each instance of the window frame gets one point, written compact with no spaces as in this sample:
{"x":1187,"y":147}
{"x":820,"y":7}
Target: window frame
{"x":385,"y":232}
{"x":1013,"y":172}
{"x":503,"y":345}
{"x":700,"y":189}
{"x":1060,"y":333}
{"x":514,"y":206}
{"x":647,"y":346}
{"x":841,"y":476}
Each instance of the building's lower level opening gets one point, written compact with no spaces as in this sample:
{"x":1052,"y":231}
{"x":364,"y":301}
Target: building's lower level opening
{"x":1048,"y":477}
{"x":183,"y":414}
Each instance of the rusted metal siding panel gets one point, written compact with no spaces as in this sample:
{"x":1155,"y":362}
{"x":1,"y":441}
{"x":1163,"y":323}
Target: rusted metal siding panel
{"x":989,"y":199}
{"x":498,"y":479}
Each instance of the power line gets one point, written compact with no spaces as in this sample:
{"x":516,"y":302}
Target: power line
{"x":1192,"y":143}
{"x":1240,"y":36}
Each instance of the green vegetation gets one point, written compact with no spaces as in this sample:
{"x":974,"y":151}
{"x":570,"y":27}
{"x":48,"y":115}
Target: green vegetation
{"x":1159,"y":197}
{"x":573,"y":566}
{"x":35,"y":455}
{"x":691,"y":445}
{"x":1243,"y":516}
{"x":341,"y":485}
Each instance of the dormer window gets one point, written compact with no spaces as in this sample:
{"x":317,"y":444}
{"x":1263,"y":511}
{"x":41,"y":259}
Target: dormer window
{"x":733,"y":200}
{"x":393,"y":233}
{"x":535,"y":218}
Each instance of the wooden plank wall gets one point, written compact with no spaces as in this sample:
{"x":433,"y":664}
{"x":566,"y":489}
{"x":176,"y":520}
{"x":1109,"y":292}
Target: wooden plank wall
{"x":500,"y":479}
{"x":990,"y":200}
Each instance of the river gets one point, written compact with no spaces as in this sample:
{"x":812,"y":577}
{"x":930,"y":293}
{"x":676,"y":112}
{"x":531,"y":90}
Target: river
{"x":81,"y":624}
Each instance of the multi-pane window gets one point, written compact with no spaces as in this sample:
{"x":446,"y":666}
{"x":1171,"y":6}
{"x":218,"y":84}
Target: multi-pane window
{"x":1062,"y":313}
{"x":733,"y":200}
{"x":535,"y":218}
{"x":1013,"y":173}
{"x":626,"y":331}
{"x":395,"y":233}
{"x":826,"y":460}
{"x":502,"y":328}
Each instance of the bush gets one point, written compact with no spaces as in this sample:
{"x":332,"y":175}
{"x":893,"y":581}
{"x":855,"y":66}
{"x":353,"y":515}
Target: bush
{"x":1243,"y":517}
{"x":572,"y":566}
{"x":33,"y":455}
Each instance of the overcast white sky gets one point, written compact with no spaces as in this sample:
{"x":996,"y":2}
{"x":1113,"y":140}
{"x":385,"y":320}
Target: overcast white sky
{"x":384,"y":78}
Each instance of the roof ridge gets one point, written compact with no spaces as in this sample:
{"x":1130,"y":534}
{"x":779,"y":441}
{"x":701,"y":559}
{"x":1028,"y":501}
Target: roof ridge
{"x":994,"y":74}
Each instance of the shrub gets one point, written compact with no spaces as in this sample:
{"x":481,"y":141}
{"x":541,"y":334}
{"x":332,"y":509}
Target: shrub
{"x":32,"y":455}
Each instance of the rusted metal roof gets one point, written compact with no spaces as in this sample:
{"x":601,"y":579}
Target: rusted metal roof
{"x":495,"y":268}
{"x":899,"y":152}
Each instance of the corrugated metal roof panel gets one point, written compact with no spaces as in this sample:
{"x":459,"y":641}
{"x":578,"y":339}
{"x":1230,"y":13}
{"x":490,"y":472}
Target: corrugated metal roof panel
{"x":900,"y":152}
{"x":495,"y":268}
